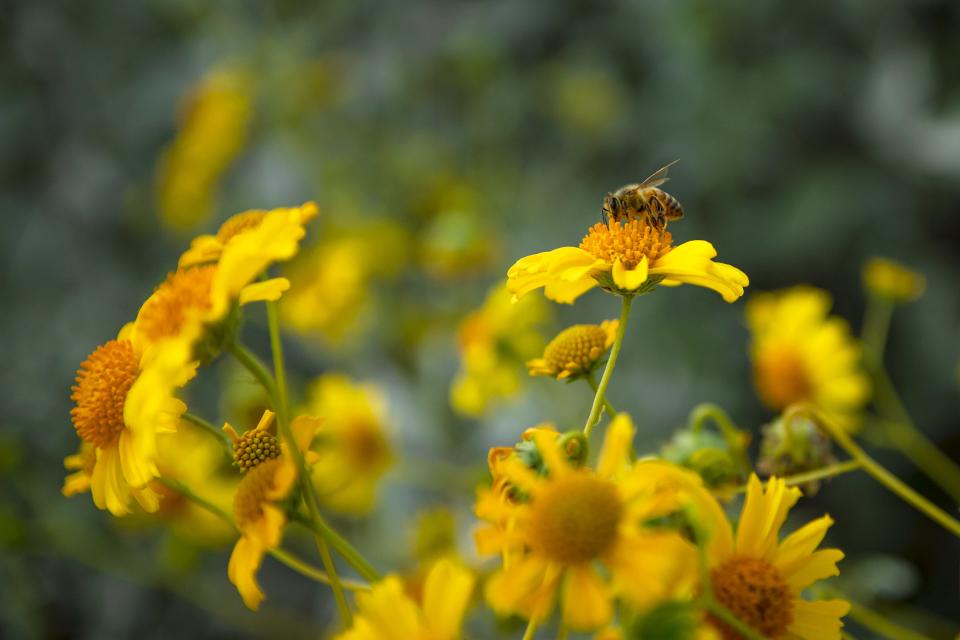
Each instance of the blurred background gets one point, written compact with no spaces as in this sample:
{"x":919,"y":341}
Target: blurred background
{"x":442,"y":142}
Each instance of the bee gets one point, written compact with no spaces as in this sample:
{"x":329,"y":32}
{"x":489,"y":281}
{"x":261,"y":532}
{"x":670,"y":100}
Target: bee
{"x":644,"y":200}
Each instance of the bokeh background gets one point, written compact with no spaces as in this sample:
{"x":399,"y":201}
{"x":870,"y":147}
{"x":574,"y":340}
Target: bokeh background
{"x":446,"y":140}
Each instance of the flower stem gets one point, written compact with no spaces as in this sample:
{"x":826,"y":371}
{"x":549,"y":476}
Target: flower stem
{"x":606,"y":403}
{"x":283,"y":422}
{"x":531,"y":629}
{"x":208,"y":427}
{"x":252,"y":364}
{"x":600,"y":395}
{"x":341,"y":546}
{"x":880,"y":474}
{"x":828,"y":471}
{"x":717,"y":610}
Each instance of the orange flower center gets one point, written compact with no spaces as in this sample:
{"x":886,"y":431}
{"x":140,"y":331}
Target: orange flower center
{"x":575,"y":518}
{"x":365,"y":445}
{"x":255,"y":447}
{"x":238,"y":224}
{"x":782,"y":378}
{"x":252,"y":493}
{"x":185,"y":291}
{"x":576,"y":348}
{"x":103,"y":381}
{"x":630,"y":241}
{"x":754,"y":591}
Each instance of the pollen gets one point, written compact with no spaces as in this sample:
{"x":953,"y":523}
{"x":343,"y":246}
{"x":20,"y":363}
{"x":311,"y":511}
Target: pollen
{"x":630,"y":241}
{"x":575,"y":518}
{"x":574,"y":350}
{"x":185,"y":291}
{"x":238,"y":224}
{"x":782,"y":378}
{"x":103,"y":381}
{"x":255,"y":447}
{"x":252,"y":493}
{"x":754,"y":591}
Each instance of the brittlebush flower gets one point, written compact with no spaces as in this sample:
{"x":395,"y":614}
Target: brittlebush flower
{"x":626,"y":258}
{"x":800,"y":354}
{"x":213,"y":130}
{"x":575,"y":351}
{"x":257,"y":509}
{"x":218,"y":273}
{"x":123,"y":398}
{"x":892,"y":281}
{"x":388,"y":613}
{"x":581,"y":531}
{"x":354,"y":452}
{"x":759,"y":578}
{"x":493,"y":341}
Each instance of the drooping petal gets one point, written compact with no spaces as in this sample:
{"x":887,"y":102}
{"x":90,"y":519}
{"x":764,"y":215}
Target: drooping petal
{"x":242,"y":571}
{"x":586,"y":601}
{"x":629,"y":279}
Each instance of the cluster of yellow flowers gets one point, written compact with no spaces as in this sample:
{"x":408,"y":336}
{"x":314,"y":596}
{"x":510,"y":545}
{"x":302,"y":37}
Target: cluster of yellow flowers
{"x":614,"y":543}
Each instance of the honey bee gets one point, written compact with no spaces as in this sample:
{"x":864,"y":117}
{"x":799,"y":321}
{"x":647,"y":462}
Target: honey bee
{"x":644,"y":200}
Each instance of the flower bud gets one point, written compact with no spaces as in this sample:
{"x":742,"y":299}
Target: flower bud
{"x":794,"y":445}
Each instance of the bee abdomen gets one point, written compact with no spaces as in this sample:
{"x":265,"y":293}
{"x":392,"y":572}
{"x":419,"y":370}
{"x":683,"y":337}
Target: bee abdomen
{"x":672,"y":209}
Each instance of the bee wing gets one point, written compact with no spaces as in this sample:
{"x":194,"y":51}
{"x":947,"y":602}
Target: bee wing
{"x":658,"y":177}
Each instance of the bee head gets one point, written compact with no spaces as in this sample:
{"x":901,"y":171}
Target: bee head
{"x":611,"y":204}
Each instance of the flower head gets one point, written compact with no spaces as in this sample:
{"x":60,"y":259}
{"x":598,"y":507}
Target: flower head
{"x":627,"y":258}
{"x":759,"y":578}
{"x":258,"y":514}
{"x":123,"y":397}
{"x":581,"y":531}
{"x":800,"y":354}
{"x":892,"y":281}
{"x":354,"y":452}
{"x":575,"y":351}
{"x":389,"y":613}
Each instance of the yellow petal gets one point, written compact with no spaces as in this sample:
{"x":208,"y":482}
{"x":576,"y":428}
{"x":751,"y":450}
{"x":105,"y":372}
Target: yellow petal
{"x":242,"y":571}
{"x":817,"y":566}
{"x":265,"y":290}
{"x":564,"y":273}
{"x":797,"y":547}
{"x":586,"y":601}
{"x":818,"y":620}
{"x":764,"y":512}
{"x":630,"y":279}
{"x":389,"y":612}
{"x":617,"y":445}
{"x":446,"y":594}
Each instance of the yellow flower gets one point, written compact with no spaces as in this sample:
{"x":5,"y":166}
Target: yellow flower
{"x":759,"y":578}
{"x":493,"y":341}
{"x":203,"y":293}
{"x":801,"y":355}
{"x":354,"y":452}
{"x":581,"y":531}
{"x":257,"y":511}
{"x":213,"y":131}
{"x":575,"y":351}
{"x":123,"y":398}
{"x":892,"y":280}
{"x":625,"y":258}
{"x":388,"y":613}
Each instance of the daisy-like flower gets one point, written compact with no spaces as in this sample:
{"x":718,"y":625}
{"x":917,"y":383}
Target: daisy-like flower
{"x":257,"y":511}
{"x":493,"y":341}
{"x":353,"y":453}
{"x":759,"y":578}
{"x":389,"y":613}
{"x":800,"y":354}
{"x":626,"y":258}
{"x":123,"y":398}
{"x":581,"y":532}
{"x":892,"y":281}
{"x":575,"y":351}
{"x":217,"y":274}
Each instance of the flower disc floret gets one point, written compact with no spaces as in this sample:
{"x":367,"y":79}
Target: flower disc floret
{"x":755,"y":592}
{"x":575,"y":350}
{"x":185,"y":292}
{"x":629,"y":242}
{"x":254,"y":490}
{"x":575,"y":519}
{"x":103,"y":381}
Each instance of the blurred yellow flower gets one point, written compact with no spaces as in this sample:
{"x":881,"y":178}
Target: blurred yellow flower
{"x":494,"y":341}
{"x":624,"y":258}
{"x":581,"y":531}
{"x":457,"y":243}
{"x":213,"y":130}
{"x":353,"y":453}
{"x":801,"y":355}
{"x":759,"y":579}
{"x":195,"y":301}
{"x":332,"y":281}
{"x":123,"y":398}
{"x":575,"y":351}
{"x":892,"y":281}
{"x":388,"y":613}
{"x":257,"y":511}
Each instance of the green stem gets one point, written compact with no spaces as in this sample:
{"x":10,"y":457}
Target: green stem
{"x":717,"y":610}
{"x":731,"y":435}
{"x":208,"y":427}
{"x":252,"y":364}
{"x":284,"y":557}
{"x":876,"y":326}
{"x":606,"y":403}
{"x":828,"y":471}
{"x":869,"y":619}
{"x":880,"y":474}
{"x":600,"y":395}
{"x":531,"y":629}
{"x":342,"y":547}
{"x":303,"y":473}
